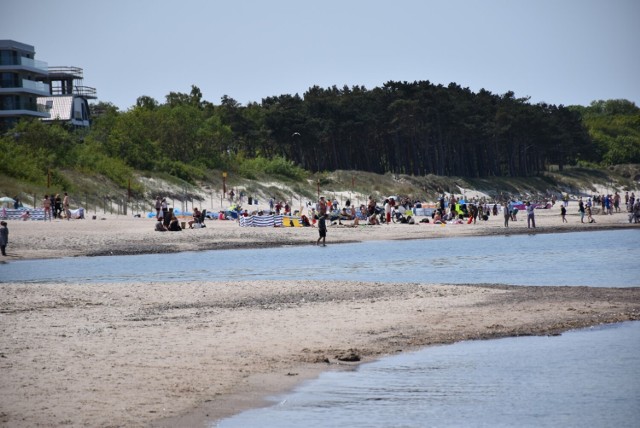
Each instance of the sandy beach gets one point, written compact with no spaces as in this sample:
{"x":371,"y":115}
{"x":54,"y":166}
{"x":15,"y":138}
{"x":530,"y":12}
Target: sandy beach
{"x":184,"y":354}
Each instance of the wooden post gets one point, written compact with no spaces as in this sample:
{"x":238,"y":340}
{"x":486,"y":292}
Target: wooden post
{"x":224,"y":183}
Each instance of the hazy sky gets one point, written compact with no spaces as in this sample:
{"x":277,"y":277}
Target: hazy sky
{"x":555,"y":51}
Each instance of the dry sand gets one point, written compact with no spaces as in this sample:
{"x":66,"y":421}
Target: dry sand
{"x":183,"y":354}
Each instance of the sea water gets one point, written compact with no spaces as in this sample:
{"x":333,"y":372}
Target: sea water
{"x":583,"y":378}
{"x":603,"y":258}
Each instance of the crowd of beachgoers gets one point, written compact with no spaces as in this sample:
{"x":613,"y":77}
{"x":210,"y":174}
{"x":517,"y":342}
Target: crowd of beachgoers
{"x":449,"y":209}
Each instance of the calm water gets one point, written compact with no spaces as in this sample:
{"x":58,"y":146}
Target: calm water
{"x":584,"y":378}
{"x":607,"y":259}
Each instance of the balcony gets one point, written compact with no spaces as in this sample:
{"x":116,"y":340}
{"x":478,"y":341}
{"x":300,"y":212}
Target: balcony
{"x":10,"y":86}
{"x":33,"y":65}
{"x":82,"y":91}
{"x":65,"y":72}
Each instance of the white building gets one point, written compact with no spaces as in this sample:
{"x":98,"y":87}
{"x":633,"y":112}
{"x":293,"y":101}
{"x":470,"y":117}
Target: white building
{"x":31,"y":89}
{"x":21,"y":83}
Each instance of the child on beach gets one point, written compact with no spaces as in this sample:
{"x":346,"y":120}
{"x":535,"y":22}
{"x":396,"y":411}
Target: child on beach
{"x":563,"y":214}
{"x":322,"y":230}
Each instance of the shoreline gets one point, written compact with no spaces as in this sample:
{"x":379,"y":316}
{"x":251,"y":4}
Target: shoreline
{"x":119,"y":235}
{"x":187,"y":354}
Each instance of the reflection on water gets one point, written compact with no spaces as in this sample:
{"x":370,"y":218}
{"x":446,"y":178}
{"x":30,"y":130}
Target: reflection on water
{"x":524,"y":382}
{"x":606,"y":258}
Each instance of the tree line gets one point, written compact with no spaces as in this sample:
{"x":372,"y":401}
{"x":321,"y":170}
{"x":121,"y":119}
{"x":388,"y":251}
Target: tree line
{"x":415,"y":128}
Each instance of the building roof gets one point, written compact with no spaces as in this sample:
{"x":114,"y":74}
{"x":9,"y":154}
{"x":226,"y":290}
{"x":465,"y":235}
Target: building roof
{"x":60,"y":107}
{"x":12,"y":44}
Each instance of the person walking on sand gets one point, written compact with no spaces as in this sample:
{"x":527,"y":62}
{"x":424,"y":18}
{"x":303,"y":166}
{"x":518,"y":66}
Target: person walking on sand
{"x":587,"y":211}
{"x":581,"y":210}
{"x":563,"y":214}
{"x":322,"y":230}
{"x":4,"y":237}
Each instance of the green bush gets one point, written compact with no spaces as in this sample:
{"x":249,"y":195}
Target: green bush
{"x":188,"y":173}
{"x":251,"y":168}
{"x":281,"y":166}
{"x":22,"y":162}
{"x":90,"y":159}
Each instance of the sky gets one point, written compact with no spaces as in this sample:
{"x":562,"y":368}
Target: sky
{"x":554,"y":51}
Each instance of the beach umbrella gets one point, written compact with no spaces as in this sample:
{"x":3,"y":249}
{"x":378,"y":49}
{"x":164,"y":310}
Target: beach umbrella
{"x":6,"y":200}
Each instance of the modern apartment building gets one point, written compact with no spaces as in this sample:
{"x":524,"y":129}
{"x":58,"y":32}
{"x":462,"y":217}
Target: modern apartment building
{"x":21,"y":83}
{"x":30,"y":88}
{"x":68,"y":100}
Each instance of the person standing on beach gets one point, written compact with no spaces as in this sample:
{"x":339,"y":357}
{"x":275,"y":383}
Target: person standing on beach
{"x":46,"y":205}
{"x":322,"y":230}
{"x":531,"y":219}
{"x":57,"y":206}
{"x":65,"y":205}
{"x":387,"y":211}
{"x":4,"y":237}
{"x":164,"y":208}
{"x":158,"y":206}
{"x":506,"y":213}
{"x":322,"y":207}
{"x":563,"y":214}
{"x":581,"y":210}
{"x":52,"y":200}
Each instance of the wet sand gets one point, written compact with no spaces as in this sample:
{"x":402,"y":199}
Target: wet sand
{"x":184,"y":354}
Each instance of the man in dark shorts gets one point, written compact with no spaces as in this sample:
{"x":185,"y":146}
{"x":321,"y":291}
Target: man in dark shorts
{"x":322,"y":230}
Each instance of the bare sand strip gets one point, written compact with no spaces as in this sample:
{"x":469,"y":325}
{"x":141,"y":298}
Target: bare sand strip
{"x":182,"y":354}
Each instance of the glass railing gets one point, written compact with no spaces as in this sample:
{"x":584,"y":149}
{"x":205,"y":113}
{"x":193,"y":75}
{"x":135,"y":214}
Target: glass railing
{"x":36,"y":86}
{"x":42,"y":65}
{"x":43,"y":88}
{"x":27,"y":62}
